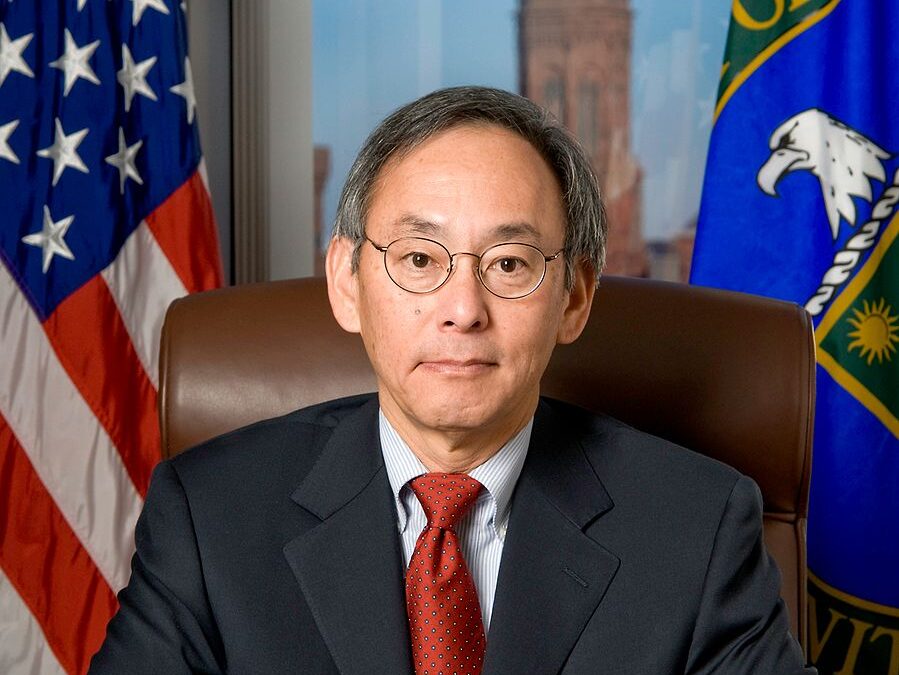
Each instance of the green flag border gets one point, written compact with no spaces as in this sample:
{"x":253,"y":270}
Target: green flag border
{"x":767,"y":53}
{"x":833,"y":315}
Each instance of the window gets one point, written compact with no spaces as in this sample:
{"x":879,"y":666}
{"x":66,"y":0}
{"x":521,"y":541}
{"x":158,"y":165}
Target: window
{"x":588,"y":122}
{"x":554,"y":97}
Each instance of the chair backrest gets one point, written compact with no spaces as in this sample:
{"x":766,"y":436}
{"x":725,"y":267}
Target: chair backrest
{"x":726,"y":374}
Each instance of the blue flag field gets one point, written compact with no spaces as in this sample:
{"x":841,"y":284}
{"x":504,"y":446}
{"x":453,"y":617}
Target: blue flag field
{"x":801,"y":202}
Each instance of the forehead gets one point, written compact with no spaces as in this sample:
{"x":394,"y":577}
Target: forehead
{"x":468,"y":181}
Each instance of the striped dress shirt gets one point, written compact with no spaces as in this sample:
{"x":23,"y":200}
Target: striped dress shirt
{"x":483,"y":529}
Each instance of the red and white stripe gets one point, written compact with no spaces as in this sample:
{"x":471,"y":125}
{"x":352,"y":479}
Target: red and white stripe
{"x":25,"y":651}
{"x":79,"y":434}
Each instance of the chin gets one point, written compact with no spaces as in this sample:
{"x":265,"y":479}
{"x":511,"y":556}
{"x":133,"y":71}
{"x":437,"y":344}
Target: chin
{"x":454,"y":416}
{"x":458,"y":405}
{"x":468,"y":411}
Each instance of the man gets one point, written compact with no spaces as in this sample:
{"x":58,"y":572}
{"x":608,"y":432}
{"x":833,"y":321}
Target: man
{"x":454,"y":522}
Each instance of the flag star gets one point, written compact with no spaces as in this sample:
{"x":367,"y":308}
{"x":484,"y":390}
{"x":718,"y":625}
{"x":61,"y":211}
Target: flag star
{"x":81,"y":4}
{"x":133,"y":77}
{"x":5,"y":132}
{"x":11,"y":54}
{"x":140,"y":7}
{"x":64,"y":151}
{"x":74,"y":62}
{"x":186,"y":89}
{"x":124,"y":159}
{"x":51,"y":239}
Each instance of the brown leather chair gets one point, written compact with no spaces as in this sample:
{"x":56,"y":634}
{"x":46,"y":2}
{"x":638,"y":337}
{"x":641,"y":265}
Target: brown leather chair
{"x":726,"y":374}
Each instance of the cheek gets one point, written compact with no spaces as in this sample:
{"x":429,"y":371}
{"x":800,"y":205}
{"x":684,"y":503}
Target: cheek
{"x":533,"y":338}
{"x":388,"y":330}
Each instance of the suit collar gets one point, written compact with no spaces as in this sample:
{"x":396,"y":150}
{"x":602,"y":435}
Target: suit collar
{"x":552,"y":576}
{"x":349,"y":565}
{"x":348,"y":463}
{"x":559,"y":469}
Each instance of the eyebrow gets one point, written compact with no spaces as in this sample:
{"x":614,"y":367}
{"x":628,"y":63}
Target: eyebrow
{"x":410,"y":224}
{"x":520,"y":230}
{"x":414,"y":225}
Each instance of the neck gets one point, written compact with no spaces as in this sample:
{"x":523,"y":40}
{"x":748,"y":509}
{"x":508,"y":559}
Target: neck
{"x":454,"y":450}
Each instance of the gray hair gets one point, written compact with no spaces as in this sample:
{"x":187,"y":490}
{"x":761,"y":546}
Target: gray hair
{"x":414,"y":123}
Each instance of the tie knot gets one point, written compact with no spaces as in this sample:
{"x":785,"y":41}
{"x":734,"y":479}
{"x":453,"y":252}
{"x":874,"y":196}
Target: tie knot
{"x":445,"y":497}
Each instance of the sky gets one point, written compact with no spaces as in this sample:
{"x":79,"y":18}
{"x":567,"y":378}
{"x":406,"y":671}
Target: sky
{"x":369,"y":57}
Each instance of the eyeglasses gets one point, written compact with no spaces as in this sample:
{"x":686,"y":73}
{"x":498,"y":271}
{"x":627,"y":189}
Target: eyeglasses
{"x":510,"y":270}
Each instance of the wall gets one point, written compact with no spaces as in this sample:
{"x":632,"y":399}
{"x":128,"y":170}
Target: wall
{"x":284,"y":33}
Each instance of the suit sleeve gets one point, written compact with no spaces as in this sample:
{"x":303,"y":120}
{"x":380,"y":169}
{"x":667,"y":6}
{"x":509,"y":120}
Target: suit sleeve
{"x":164,"y":623}
{"x":742,"y":625}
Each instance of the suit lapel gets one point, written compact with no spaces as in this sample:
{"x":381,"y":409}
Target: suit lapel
{"x":349,"y":566}
{"x":552,"y":576}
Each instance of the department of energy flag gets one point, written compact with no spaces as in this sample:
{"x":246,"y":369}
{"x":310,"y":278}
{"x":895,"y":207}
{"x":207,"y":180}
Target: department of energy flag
{"x":104,"y":219}
{"x":801,"y":202}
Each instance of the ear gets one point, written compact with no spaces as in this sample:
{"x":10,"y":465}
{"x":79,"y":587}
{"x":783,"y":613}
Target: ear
{"x":343,"y":283}
{"x":580,"y":300}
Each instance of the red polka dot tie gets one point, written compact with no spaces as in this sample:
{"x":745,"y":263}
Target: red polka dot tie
{"x":441,"y":600}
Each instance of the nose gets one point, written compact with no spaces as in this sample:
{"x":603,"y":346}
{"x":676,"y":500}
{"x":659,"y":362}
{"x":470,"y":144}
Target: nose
{"x":463,"y":301}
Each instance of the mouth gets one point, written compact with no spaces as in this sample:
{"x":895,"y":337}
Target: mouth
{"x":457,"y":367}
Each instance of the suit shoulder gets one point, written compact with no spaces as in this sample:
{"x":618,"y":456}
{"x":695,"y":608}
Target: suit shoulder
{"x":674,"y":497}
{"x":296,"y":437}
{"x":618,"y":451}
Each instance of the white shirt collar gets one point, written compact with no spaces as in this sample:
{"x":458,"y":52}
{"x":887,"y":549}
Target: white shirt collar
{"x":498,"y":475}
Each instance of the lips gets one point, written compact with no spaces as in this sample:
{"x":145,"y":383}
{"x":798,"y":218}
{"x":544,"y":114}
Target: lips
{"x":446,"y":366}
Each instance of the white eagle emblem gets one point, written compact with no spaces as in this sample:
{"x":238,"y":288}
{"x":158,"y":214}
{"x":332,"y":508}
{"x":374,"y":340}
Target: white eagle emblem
{"x":845,"y":162}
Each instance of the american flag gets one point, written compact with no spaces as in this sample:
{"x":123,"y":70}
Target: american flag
{"x":105,"y":218}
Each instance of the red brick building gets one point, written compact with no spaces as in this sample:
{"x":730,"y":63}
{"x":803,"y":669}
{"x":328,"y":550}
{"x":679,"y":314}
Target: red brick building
{"x":574,"y":59}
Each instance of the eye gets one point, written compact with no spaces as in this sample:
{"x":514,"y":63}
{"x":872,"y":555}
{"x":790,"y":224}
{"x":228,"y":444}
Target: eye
{"x":784,"y":142}
{"x":510,"y":265}
{"x":419,"y":260}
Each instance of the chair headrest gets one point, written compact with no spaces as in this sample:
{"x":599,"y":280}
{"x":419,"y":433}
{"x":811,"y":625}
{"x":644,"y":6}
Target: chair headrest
{"x":726,"y":374}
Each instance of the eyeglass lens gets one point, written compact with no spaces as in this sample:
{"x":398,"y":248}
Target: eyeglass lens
{"x":507,"y":270}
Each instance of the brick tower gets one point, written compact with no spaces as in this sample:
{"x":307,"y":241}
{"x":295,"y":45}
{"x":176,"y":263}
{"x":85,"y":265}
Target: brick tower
{"x":574,"y":57}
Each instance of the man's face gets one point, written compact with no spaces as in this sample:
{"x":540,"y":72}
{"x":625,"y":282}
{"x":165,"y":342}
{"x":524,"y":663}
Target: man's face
{"x":460,"y":360}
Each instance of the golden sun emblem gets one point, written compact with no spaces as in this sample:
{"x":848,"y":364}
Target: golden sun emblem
{"x":876,"y":331}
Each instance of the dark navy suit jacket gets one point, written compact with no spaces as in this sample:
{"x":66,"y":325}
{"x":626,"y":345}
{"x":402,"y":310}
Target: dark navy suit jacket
{"x":274,"y":549}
